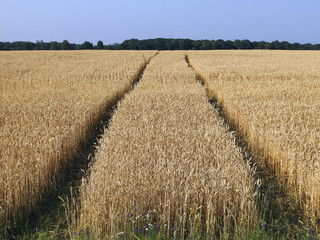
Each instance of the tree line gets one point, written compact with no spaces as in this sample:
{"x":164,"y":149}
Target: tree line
{"x":41,"y":45}
{"x":160,"y":44}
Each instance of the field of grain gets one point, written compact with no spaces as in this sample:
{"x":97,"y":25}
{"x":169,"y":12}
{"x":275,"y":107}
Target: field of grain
{"x":50,"y":104}
{"x":273,"y":99}
{"x":168,"y":164}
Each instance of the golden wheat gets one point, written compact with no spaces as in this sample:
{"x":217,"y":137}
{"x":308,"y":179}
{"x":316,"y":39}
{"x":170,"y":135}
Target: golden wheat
{"x":50,"y":103}
{"x":167,"y":155}
{"x":272,"y":97}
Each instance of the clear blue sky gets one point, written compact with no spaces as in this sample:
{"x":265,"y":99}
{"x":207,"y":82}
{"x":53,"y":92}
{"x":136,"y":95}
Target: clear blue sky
{"x":118,"y":20}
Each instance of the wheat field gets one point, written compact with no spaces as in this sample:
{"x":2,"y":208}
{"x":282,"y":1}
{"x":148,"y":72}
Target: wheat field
{"x":272,"y":98}
{"x":168,"y":162}
{"x":50,"y":104}
{"x":169,"y":165}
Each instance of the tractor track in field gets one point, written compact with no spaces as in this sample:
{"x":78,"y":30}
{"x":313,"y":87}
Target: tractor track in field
{"x":51,"y":209}
{"x":274,"y":202}
{"x":280,"y":212}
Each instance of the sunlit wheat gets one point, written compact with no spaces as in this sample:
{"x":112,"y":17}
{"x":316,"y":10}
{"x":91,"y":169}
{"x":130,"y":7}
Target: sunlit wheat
{"x":50,"y":104}
{"x":166,"y":150}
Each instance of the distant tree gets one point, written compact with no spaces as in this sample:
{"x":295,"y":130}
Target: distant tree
{"x":143,"y":45}
{"x":229,"y":44}
{"x":220,"y":44}
{"x":196,"y":45}
{"x":30,"y":45}
{"x":263,"y":45}
{"x":7,"y":46}
{"x":116,"y":46}
{"x":74,"y":46}
{"x":167,"y":44}
{"x":296,"y":46}
{"x":307,"y":46}
{"x":55,"y":46}
{"x":316,"y":46}
{"x":100,"y":45}
{"x":17,"y":46}
{"x":132,"y":44}
{"x":23,"y":46}
{"x":86,"y":45}
{"x":283,"y":45}
{"x":39,"y":45}
{"x":212,"y":44}
{"x":205,"y":45}
{"x":274,"y":44}
{"x":245,"y":44}
{"x":185,"y":44}
{"x":109,"y":47}
{"x":237,"y":44}
{"x":255,"y":45}
{"x":65,"y":45}
{"x":174,"y":44}
{"x":160,"y":44}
